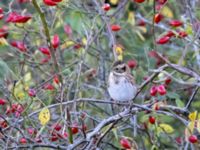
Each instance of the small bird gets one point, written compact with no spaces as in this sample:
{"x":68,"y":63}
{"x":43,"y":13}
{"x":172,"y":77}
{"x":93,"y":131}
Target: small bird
{"x":121,"y":84}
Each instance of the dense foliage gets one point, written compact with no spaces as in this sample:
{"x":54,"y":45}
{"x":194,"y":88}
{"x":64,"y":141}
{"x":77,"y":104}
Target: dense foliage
{"x":55,"y":59}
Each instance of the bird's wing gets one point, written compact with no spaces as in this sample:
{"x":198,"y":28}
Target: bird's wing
{"x":130,"y":78}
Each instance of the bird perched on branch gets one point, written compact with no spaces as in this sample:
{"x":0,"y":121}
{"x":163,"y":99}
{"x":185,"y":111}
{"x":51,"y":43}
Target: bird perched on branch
{"x":121,"y":84}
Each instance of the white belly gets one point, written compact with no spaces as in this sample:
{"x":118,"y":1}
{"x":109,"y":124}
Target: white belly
{"x":121,"y":91}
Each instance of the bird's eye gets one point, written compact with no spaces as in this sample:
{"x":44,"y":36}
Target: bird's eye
{"x":117,"y":69}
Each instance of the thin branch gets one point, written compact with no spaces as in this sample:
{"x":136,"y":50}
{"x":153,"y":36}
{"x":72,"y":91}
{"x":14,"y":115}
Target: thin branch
{"x":192,"y":97}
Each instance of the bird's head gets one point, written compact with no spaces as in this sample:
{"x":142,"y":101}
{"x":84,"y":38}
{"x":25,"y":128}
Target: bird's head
{"x":119,"y":67}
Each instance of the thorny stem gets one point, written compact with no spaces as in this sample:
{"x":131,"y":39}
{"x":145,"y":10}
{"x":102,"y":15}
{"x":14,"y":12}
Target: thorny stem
{"x":56,"y":66}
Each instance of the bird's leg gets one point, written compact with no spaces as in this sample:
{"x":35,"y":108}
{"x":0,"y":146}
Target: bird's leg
{"x":112,"y":106}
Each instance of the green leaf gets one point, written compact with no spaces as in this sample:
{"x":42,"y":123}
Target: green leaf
{"x":179,"y":103}
{"x":172,"y":95}
{"x":114,"y":130}
{"x":4,"y":70}
{"x":75,"y":19}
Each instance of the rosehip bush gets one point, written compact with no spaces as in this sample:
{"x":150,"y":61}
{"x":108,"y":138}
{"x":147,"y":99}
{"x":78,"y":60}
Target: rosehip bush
{"x":56,"y":56}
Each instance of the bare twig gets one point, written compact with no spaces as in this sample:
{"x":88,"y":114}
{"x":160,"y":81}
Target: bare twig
{"x":191,"y":98}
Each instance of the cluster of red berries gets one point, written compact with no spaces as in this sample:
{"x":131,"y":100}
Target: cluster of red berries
{"x":55,"y":133}
{"x":158,"y":89}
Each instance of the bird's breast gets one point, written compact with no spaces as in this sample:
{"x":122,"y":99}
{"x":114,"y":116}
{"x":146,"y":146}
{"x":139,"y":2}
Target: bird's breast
{"x":120,"y":89}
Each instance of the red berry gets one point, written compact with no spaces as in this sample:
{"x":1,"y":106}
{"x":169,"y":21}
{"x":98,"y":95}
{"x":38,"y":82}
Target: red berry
{"x":153,"y":91}
{"x":182,"y":34}
{"x":45,"y":60}
{"x":77,"y":46}
{"x":161,"y":90}
{"x":8,"y":110}
{"x":31,"y":131}
{"x":175,"y":23}
{"x":162,"y":1}
{"x":115,"y":27}
{"x":15,"y":17}
{"x":23,"y":1}
{"x":68,"y":30}
{"x":54,"y":138}
{"x":56,"y":79}
{"x":170,"y":34}
{"x":141,"y":23}
{"x":31,"y":92}
{"x":3,"y":124}
{"x":178,"y":140}
{"x":2,"y":101}
{"x":132,"y":63}
{"x":74,"y":129}
{"x":13,"y":108}
{"x":19,"y":108}
{"x":19,"y":45}
{"x":49,"y":2}
{"x":193,"y":139}
{"x":139,"y":1}
{"x":158,"y":17}
{"x":156,"y":106}
{"x":125,"y":143}
{"x":49,"y":86}
{"x":158,"y":7}
{"x":45,"y":50}
{"x":168,"y":81}
{"x":57,"y":0}
{"x":23,"y":141}
{"x":65,"y":135}
{"x":152,"y":119}
{"x":106,"y":7}
{"x":55,"y":41}
{"x":163,"y":40}
{"x":57,"y":127}
{"x":1,"y":10}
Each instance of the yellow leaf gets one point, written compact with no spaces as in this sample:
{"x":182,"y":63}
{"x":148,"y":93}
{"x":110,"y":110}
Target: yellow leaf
{"x":22,"y":86}
{"x":166,"y":127}
{"x":192,"y":116}
{"x":189,"y":29}
{"x":119,"y":49}
{"x":3,"y":42}
{"x":120,"y":57}
{"x":67,"y":44}
{"x":27,"y":77}
{"x":166,"y":11}
{"x":131,"y":17}
{"x":114,"y":2}
{"x":20,"y":95}
{"x":44,"y":116}
{"x":84,"y":41}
